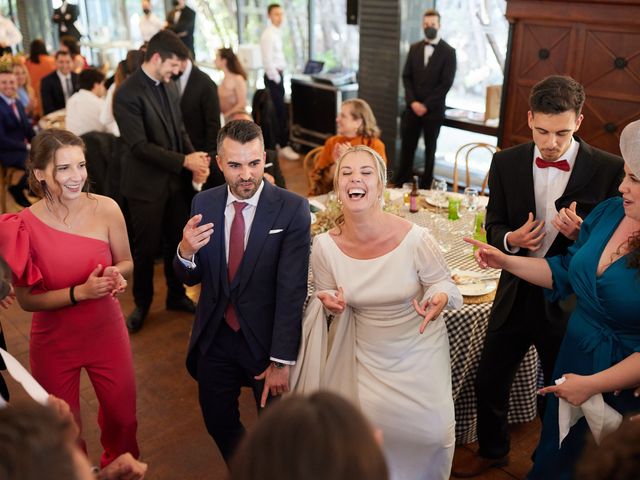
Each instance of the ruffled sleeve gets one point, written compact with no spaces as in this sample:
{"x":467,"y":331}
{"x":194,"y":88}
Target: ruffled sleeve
{"x":433,"y":271}
{"x":16,"y":250}
{"x":559,"y":264}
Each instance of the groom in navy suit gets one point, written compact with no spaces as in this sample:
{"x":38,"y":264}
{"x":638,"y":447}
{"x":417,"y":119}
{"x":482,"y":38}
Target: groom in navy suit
{"x":247,"y":243}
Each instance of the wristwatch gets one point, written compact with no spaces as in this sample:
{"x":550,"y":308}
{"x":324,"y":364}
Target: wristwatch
{"x":278,"y":365}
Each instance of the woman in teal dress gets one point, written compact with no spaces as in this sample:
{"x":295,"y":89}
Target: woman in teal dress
{"x":601,"y":349}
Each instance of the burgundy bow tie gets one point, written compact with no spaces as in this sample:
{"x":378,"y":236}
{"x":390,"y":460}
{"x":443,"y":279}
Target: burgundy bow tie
{"x":560,"y":164}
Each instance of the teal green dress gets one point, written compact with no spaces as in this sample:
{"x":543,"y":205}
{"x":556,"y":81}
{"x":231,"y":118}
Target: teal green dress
{"x":603,"y":330}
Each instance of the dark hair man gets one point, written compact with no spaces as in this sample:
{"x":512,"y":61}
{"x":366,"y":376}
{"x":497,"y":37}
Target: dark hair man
{"x":427,"y":77}
{"x":247,"y":244}
{"x":157,"y":169}
{"x":540,"y":191}
{"x":58,"y":86}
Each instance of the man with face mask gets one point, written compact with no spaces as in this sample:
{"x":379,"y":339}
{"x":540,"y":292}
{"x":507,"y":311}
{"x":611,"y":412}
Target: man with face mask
{"x":427,"y":77}
{"x":182,"y":21}
{"x":150,"y":23}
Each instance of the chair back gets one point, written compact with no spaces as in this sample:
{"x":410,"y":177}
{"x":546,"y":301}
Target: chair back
{"x":309,"y":163}
{"x":467,"y":150}
{"x":6,"y":174}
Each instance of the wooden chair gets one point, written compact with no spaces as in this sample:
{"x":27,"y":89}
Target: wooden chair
{"x":6,"y":174}
{"x":309,"y":163}
{"x":467,"y":150}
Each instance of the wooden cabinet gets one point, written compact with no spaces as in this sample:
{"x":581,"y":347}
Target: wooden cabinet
{"x":595,"y":42}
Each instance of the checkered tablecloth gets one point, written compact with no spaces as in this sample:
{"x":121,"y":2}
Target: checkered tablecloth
{"x":467,"y":328}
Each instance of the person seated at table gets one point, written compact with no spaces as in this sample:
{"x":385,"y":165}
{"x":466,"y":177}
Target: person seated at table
{"x":318,"y":437}
{"x":59,"y":85}
{"x":39,"y":64}
{"x":356,"y":125}
{"x":387,"y":283}
{"x":26,"y":93}
{"x":600,"y":352}
{"x":85,"y":106}
{"x":38,"y":441}
{"x":232,"y":91}
{"x":540,"y":192}
{"x":15,"y":132}
{"x":70,"y":45}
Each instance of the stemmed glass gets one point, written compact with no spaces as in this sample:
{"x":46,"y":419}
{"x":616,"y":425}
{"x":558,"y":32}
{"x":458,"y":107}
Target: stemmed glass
{"x":439,"y":193}
{"x":471,"y":199}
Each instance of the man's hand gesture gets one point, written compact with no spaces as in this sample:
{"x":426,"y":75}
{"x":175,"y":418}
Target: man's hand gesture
{"x":528,"y":236}
{"x":194,"y":236}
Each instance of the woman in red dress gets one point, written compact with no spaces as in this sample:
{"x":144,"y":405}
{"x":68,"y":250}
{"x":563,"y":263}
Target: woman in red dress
{"x":69,"y":254}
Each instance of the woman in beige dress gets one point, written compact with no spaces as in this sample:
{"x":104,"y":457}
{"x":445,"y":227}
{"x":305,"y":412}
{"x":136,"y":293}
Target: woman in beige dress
{"x":384,"y":284}
{"x":232,"y":91}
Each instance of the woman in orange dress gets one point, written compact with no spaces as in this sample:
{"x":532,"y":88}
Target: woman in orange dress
{"x":356,"y":125}
{"x":39,"y":64}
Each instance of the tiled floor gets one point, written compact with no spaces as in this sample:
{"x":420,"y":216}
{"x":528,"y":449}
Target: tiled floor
{"x":171,"y":432}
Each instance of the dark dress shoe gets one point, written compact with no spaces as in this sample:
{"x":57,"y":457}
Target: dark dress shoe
{"x":17,"y":192}
{"x":476,"y":465}
{"x":182,"y":304}
{"x":136,"y":319}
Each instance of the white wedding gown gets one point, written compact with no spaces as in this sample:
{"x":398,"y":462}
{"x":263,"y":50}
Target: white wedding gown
{"x":374,"y":354}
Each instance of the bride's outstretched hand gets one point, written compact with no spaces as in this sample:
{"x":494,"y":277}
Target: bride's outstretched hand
{"x":431,"y":309}
{"x":487,"y":255}
{"x":334,"y":303}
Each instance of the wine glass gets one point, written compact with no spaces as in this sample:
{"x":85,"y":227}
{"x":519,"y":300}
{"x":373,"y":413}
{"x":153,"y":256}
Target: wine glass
{"x":439,"y":193}
{"x":471,"y":199}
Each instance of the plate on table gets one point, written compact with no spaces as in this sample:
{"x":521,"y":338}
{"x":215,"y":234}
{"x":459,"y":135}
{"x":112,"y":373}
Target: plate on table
{"x":474,"y":284}
{"x":429,"y":198}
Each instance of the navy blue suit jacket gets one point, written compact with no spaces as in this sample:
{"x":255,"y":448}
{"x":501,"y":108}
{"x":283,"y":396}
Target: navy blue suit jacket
{"x":270,"y":286}
{"x":13,"y":132}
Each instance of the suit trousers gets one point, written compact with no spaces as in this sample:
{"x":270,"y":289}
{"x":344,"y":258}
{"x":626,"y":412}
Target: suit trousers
{"x":411,"y":127}
{"x":532,"y":321}
{"x":223,"y":368}
{"x":276,"y":90}
{"x":157,"y":227}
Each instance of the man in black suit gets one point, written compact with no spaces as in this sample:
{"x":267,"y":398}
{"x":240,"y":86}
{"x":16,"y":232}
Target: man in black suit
{"x":427,"y":77}
{"x":65,"y":17}
{"x":182,"y":21}
{"x":200,"y":107}
{"x":539,"y":193}
{"x":59,"y":85}
{"x":247,"y":244}
{"x":158,"y":168}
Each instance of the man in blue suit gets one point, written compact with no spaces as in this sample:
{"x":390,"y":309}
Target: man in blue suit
{"x":247,"y":243}
{"x":15,"y":133}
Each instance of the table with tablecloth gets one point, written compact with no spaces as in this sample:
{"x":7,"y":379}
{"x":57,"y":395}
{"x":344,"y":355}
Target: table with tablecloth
{"x":467,"y":328}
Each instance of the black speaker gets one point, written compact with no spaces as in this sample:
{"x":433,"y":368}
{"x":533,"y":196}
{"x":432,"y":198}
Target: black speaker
{"x":352,"y":12}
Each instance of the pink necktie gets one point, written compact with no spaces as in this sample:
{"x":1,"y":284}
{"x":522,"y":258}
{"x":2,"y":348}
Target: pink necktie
{"x":14,"y":107}
{"x":236,"y":251}
{"x":560,"y":164}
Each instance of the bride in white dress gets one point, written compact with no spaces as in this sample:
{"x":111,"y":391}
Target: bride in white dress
{"x":383,"y":349}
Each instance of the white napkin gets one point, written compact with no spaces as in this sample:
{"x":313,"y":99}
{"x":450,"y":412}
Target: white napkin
{"x":20,"y":375}
{"x":601,"y":417}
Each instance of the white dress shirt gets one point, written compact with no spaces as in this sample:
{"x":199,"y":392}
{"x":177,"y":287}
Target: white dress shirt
{"x":9,"y":33}
{"x":272,"y":53}
{"x":548,"y":185}
{"x":83,"y":112}
{"x":106,"y":116}
{"x":149,"y":26}
{"x":429,"y":48}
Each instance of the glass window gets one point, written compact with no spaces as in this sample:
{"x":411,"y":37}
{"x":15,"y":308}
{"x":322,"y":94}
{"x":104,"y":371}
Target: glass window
{"x":334,"y":42}
{"x":216,"y":27}
{"x":478,"y":30}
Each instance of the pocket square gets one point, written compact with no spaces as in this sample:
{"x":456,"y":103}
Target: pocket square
{"x":275,"y":230}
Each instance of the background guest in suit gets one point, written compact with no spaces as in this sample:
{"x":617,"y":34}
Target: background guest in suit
{"x":71,"y":45}
{"x":253,"y":269}
{"x":58,"y":86}
{"x":39,"y":64}
{"x":15,"y":132}
{"x":540,"y":191}
{"x":65,"y":17}
{"x":233,"y":89}
{"x":85,"y":106}
{"x":427,"y":77}
{"x":200,"y":107}
{"x":158,"y":166}
{"x":182,"y":21}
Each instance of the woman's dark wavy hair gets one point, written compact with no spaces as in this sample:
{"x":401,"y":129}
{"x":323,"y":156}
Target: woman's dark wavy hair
{"x":36,"y":49}
{"x":233,"y":62}
{"x":44,"y":147}
{"x":633,"y":260}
